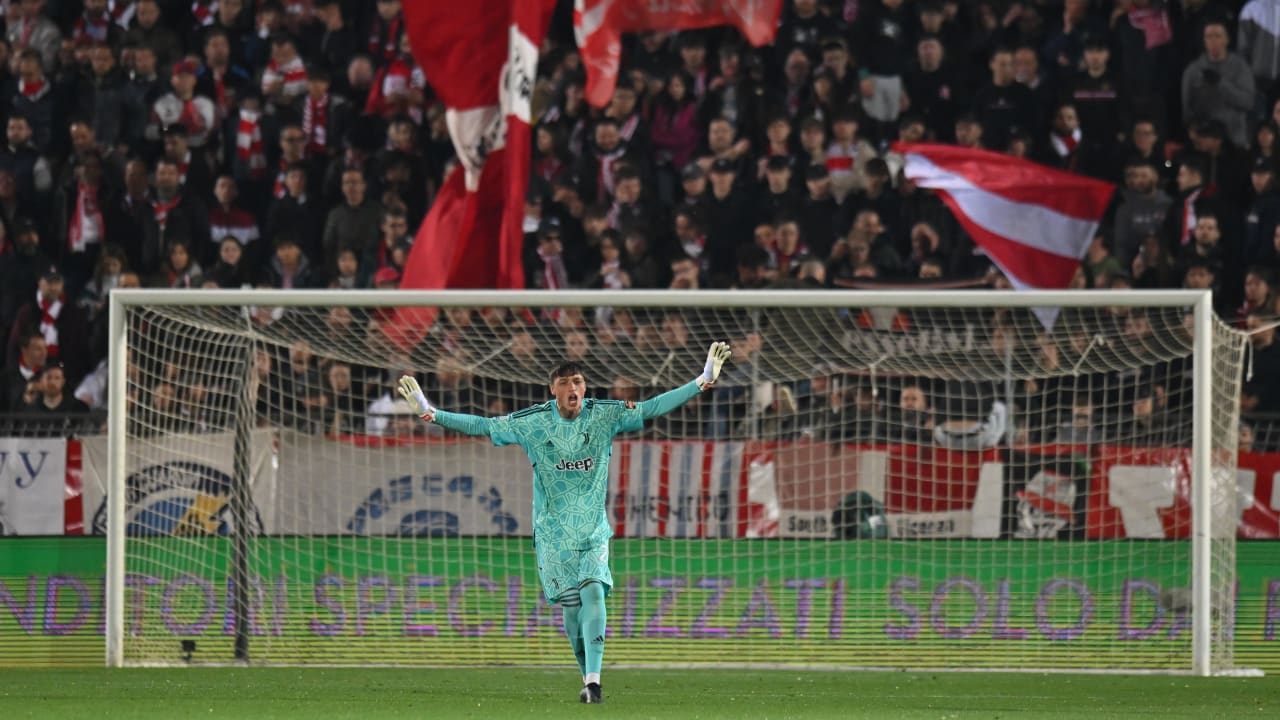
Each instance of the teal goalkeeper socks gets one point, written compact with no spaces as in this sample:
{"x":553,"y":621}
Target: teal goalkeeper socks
{"x":571,"y":605}
{"x":592,"y":617}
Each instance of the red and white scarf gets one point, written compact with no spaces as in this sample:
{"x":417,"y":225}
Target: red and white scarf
{"x":249,"y":143}
{"x":554,"y":275}
{"x":122,"y":12}
{"x":162,"y":209}
{"x":31,"y":90}
{"x":49,"y":312}
{"x":204,"y":12}
{"x":191,"y":118}
{"x":90,"y":29}
{"x":87,"y":225}
{"x":841,"y":158}
{"x":293,"y":76}
{"x":278,"y":189}
{"x":384,"y":38}
{"x":1064,"y":145}
{"x":315,"y":119}
{"x":605,"y":181}
{"x":28,"y":372}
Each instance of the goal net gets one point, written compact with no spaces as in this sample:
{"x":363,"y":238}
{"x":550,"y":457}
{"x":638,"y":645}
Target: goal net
{"x":879,"y":479}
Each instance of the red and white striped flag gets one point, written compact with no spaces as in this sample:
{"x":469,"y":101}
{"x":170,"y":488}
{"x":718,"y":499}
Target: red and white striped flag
{"x":1034,"y":222}
{"x":599,"y":24}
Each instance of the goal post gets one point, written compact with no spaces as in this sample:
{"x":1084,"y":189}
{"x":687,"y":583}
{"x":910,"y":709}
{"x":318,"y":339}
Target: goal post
{"x":941,"y":479}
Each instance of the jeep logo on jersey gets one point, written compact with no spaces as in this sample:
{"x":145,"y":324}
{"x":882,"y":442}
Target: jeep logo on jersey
{"x":584,"y":464}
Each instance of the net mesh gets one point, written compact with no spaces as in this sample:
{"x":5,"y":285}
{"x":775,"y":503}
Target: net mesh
{"x":928,"y":487}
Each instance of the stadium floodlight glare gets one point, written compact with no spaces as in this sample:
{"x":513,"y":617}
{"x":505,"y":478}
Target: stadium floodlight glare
{"x":898,"y":479}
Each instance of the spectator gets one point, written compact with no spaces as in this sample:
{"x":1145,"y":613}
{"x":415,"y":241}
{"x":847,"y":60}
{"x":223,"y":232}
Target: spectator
{"x":222,"y":79}
{"x":230,"y":270}
{"x":354,"y":223}
{"x":95,"y":27}
{"x":181,"y":107}
{"x":1002,"y":104}
{"x":30,"y":29}
{"x":53,"y":398}
{"x":180,"y":268}
{"x":142,"y":90}
{"x":81,"y":220}
{"x":1258,"y":292}
{"x":28,"y":166}
{"x":933,"y":89}
{"x":1142,"y":209}
{"x":178,"y":215}
{"x":148,"y":30}
{"x":324,"y":116}
{"x":21,"y":377}
{"x":674,"y":130}
{"x":1257,"y":40}
{"x":1219,"y":85}
{"x":346,"y":271}
{"x":35,"y":100}
{"x":101,"y":97}
{"x":1261,"y":392}
{"x":338,"y":41}
{"x":228,"y":219}
{"x":295,"y":212}
{"x":1180,"y":219}
{"x":285,"y":79}
{"x":847,"y":155}
{"x":1263,"y":214}
{"x":1228,"y":175}
{"x":1100,"y":265}
{"x":726,"y":221}
{"x":394,"y":229}
{"x":1097,"y":97}
{"x":59,"y":321}
{"x":818,"y":211}
{"x":193,"y":169}
{"x":912,"y":419}
{"x":289,"y":267}
{"x":778,"y":196}
{"x":111,"y":266}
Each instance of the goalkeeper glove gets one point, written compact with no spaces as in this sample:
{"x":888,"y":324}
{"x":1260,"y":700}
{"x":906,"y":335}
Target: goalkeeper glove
{"x":411,"y":392}
{"x":716,"y":356}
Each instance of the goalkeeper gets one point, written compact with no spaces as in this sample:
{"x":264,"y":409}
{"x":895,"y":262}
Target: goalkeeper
{"x":569,"y":441}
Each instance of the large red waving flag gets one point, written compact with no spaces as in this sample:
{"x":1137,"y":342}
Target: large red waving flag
{"x":481,"y":58}
{"x":599,"y":24}
{"x":1033,"y":221}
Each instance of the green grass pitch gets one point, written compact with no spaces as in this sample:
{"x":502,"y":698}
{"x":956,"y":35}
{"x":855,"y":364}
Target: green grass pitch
{"x":507,"y":694}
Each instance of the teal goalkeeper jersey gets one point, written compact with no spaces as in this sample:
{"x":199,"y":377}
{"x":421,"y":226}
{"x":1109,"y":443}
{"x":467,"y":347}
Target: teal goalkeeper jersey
{"x":570,"y":459}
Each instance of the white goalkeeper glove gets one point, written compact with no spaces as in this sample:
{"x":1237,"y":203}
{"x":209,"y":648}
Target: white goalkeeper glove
{"x":716,"y":356}
{"x":411,"y":392}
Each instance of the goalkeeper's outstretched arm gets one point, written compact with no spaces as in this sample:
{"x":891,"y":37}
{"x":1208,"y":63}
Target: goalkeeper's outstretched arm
{"x":461,"y":422}
{"x":672,"y":399}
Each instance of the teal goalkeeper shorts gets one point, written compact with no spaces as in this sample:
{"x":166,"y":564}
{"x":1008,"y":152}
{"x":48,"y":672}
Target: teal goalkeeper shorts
{"x":564,"y":570}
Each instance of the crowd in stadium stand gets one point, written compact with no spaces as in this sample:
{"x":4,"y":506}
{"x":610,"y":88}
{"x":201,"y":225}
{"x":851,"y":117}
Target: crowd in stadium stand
{"x":295,"y":144}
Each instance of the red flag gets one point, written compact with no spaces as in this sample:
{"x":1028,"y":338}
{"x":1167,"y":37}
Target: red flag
{"x":1034,"y":222}
{"x":599,"y":24}
{"x":481,"y":58}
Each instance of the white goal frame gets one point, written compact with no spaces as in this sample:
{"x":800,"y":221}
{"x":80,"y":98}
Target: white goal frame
{"x":1202,"y":359}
